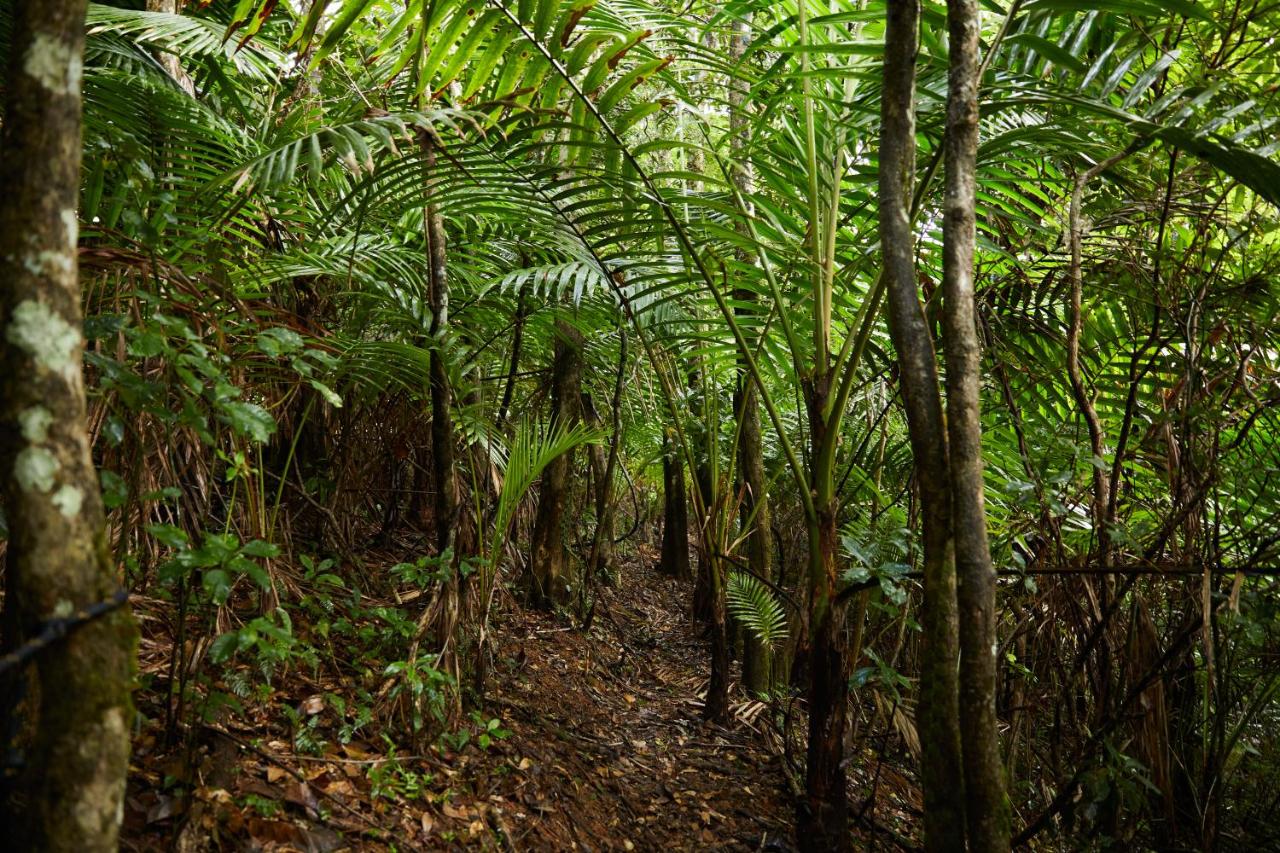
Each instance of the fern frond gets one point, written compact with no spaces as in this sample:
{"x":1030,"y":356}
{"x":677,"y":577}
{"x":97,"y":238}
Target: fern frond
{"x":755,"y":606}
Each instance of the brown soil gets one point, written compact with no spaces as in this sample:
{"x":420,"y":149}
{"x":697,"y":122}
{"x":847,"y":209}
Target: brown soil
{"x":612,"y":725}
{"x":606,"y":751}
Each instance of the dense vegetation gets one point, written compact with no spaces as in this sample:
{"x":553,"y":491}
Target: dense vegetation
{"x":942,"y":336}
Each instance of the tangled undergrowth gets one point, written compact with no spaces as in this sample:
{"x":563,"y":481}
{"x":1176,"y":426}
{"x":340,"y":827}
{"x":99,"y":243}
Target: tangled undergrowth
{"x":590,"y":740}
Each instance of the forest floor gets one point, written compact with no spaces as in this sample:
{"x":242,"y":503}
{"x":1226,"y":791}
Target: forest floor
{"x":600,"y":746}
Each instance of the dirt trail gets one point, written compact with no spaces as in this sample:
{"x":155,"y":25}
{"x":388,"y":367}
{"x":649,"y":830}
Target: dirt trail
{"x":610,"y":725}
{"x":606,"y":751}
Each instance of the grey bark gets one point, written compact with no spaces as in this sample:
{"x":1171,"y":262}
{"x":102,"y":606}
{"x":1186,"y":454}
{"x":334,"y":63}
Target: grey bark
{"x":443,"y":461}
{"x":938,"y":714}
{"x":169,"y":62}
{"x":987,"y":808}
{"x":67,"y":714}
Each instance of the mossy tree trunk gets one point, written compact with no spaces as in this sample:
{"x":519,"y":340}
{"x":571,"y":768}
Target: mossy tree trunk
{"x":549,"y":568}
{"x":987,"y":808}
{"x":66,"y":714}
{"x":938,"y":716}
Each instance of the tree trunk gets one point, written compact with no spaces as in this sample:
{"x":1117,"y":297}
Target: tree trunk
{"x":1097,"y":437}
{"x":938,"y":715}
{"x":824,"y":825}
{"x":709,"y":593}
{"x":444,"y":466}
{"x":67,"y":714}
{"x":675,"y":514}
{"x":549,"y":576}
{"x":597,"y":461}
{"x":701,"y":432}
{"x":757,"y":675}
{"x":701,"y":444}
{"x":708,"y":590}
{"x":169,"y":62}
{"x":716,"y":707}
{"x":987,"y":808}
{"x":601,"y":559}
{"x":703,"y":594}
{"x":757,"y":668}
{"x":517,"y":341}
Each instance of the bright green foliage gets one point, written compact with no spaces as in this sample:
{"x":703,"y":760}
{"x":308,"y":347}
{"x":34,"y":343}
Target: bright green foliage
{"x":757,"y":607}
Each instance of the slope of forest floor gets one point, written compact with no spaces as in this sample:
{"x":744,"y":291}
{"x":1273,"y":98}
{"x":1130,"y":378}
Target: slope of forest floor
{"x":597,"y":744}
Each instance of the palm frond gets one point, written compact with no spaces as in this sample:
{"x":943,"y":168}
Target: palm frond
{"x":756,"y":607}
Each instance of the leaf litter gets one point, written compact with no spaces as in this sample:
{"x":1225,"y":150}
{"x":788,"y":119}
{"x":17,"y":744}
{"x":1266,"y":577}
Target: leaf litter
{"x":606,"y":751}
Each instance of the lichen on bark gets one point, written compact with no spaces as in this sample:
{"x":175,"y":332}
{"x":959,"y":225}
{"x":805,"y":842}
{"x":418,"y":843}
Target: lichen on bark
{"x":69,"y":709}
